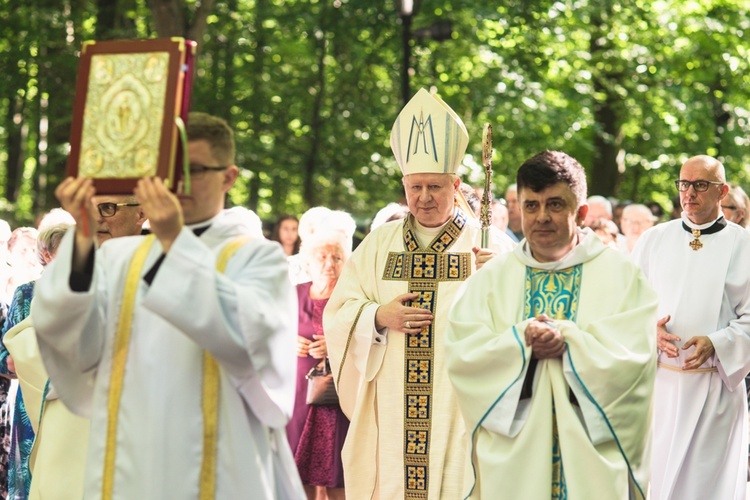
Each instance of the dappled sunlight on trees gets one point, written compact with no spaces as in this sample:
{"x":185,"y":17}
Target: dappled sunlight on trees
{"x":312,"y":88}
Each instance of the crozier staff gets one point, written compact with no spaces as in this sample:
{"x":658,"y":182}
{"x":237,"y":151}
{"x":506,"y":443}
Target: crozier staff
{"x":385,"y":320}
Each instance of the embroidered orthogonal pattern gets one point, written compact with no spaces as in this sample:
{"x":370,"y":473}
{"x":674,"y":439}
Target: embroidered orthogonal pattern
{"x":418,"y":389}
{"x":427,"y":266}
{"x":411,"y":243}
{"x":424,"y":270}
{"x":556,"y":294}
{"x":416,"y":481}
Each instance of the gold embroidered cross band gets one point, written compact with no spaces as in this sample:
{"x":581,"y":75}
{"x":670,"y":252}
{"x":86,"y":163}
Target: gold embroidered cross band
{"x":424,"y":269}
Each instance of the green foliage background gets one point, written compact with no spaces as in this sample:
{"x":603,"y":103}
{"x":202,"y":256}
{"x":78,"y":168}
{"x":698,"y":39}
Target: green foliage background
{"x":630,"y":88}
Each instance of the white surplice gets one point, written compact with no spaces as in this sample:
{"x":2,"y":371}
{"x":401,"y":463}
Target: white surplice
{"x":244,"y":318}
{"x":608,"y":366}
{"x":371,"y":366}
{"x":700,"y":418}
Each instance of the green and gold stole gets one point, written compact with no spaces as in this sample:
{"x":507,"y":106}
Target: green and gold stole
{"x":554,"y":293}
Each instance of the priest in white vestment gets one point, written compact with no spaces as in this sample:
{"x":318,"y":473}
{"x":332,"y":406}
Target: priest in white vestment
{"x":178,"y":344}
{"x":551,"y":353}
{"x":700,"y":268}
{"x":385,"y":321}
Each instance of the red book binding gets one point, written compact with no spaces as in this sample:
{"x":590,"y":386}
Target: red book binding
{"x":129,"y":94}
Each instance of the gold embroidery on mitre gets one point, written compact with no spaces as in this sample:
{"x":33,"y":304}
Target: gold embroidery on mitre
{"x":428,"y":136}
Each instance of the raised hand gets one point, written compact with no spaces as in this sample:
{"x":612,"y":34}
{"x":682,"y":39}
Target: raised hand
{"x":75,"y":196}
{"x":162,"y":208}
{"x":483,"y":256}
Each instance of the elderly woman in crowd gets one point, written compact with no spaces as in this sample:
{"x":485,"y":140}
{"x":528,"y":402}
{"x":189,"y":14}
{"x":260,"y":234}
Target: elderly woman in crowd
{"x":316,"y":433}
{"x":606,"y":230}
{"x":735,"y":206}
{"x":636,"y":219}
{"x":22,"y":438}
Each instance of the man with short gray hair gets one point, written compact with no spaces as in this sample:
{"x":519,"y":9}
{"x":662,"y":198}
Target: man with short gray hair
{"x":636,"y":219}
{"x":599,"y":208}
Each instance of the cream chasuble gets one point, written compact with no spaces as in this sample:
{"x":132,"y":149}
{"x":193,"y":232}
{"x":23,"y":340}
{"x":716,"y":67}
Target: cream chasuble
{"x":58,"y":456}
{"x":406,"y":438}
{"x":580,"y":427}
{"x":700,"y":416}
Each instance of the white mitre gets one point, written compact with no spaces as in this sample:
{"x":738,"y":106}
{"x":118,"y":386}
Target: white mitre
{"x":428,"y":136}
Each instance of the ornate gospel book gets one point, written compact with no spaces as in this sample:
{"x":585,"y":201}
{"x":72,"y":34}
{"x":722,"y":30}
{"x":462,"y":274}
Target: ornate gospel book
{"x":131,"y":96}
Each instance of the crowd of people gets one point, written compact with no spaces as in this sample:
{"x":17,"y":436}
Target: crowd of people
{"x":158,"y":345}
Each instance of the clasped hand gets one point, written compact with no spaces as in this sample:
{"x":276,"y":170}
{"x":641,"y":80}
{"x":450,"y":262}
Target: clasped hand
{"x":316,"y":348}
{"x":545,"y":340}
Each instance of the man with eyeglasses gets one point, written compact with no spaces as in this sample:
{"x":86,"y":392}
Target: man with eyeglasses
{"x":116,"y":216}
{"x":700,"y":269}
{"x":177,"y":343}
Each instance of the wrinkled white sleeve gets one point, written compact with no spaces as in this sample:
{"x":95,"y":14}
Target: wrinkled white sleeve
{"x":70,"y":328}
{"x":245,"y":318}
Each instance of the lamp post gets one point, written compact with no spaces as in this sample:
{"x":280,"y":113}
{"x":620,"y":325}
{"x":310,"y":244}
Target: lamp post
{"x":407,"y":12}
{"x":440,"y":31}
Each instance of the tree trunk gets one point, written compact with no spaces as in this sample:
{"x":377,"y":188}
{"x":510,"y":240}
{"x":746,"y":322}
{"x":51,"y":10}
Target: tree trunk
{"x":14,"y":147}
{"x":607,"y":112}
{"x":316,"y":122}
{"x":106,"y":15}
{"x":258,"y":93}
{"x":171,"y":18}
{"x":721,"y":116}
{"x":607,"y":140}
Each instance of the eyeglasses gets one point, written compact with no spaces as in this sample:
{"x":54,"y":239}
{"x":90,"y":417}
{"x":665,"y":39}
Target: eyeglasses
{"x":699,"y":186}
{"x":196,"y":169}
{"x":110,"y":209}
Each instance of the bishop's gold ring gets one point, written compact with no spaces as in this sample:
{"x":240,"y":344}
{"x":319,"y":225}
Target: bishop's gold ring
{"x":408,"y":325}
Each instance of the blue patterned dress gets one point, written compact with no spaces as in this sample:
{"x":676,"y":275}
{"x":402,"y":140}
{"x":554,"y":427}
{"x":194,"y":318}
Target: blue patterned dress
{"x":22,"y":434}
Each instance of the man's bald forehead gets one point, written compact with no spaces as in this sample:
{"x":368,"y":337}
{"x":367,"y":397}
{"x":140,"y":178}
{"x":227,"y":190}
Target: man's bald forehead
{"x":713,"y":168}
